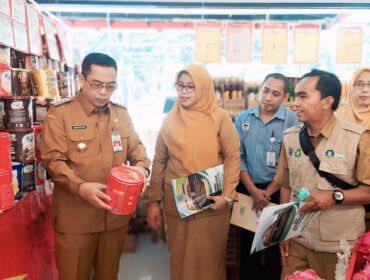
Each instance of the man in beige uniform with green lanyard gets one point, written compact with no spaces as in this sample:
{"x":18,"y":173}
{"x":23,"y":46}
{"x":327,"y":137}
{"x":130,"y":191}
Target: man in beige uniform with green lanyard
{"x":77,"y":152}
{"x":344,"y":151}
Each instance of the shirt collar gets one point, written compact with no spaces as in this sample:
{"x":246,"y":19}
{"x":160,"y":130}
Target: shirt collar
{"x":280,"y":113}
{"x":87,"y":107}
{"x":327,"y":129}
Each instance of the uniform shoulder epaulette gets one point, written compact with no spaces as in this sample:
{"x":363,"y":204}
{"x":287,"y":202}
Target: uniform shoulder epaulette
{"x":295,"y":128}
{"x":117,"y":104}
{"x":351,"y":126}
{"x":63,"y":101}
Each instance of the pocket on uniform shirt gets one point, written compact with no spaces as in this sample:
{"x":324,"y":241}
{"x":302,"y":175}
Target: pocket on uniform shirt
{"x":82,"y":143}
{"x":341,"y":222}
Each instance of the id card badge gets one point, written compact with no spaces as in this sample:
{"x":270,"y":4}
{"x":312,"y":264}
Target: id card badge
{"x":116,"y":142}
{"x":271,"y":159}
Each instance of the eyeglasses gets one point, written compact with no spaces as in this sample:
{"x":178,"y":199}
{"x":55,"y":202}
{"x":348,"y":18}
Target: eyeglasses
{"x":96,"y":85}
{"x":362,"y":84}
{"x":180,"y":88}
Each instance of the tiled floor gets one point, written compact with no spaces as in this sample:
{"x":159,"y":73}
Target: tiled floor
{"x":149,"y":262}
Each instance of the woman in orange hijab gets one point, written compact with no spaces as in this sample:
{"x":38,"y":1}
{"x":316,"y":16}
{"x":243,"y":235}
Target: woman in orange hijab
{"x":195,"y":135}
{"x":357,"y":108}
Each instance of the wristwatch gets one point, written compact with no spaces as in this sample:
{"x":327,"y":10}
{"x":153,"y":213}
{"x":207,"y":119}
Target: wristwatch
{"x":229,"y":200}
{"x":338,"y":197}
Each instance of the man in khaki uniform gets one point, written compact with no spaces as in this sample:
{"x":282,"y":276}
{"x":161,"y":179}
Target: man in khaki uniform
{"x":77,"y":152}
{"x":344,"y":150}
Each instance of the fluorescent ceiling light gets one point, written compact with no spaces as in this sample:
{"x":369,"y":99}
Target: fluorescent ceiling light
{"x":192,"y":11}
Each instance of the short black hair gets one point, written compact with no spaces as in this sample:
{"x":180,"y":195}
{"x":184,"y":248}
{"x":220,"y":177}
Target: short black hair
{"x":328,"y":84}
{"x":100,"y":59}
{"x":281,"y":77}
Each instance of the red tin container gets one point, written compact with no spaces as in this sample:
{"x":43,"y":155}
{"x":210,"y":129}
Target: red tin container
{"x":37,"y":129}
{"x":124,"y":187}
{"x":6,"y":190}
{"x":5,"y":160}
{"x":22,"y":145}
{"x":18,"y":111}
{"x":5,"y":81}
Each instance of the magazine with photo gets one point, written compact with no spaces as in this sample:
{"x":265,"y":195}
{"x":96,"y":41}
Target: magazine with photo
{"x":280,"y":222}
{"x":191,"y":192}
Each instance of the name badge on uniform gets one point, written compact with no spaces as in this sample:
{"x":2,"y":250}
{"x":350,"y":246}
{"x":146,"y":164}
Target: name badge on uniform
{"x":271,"y":159}
{"x":116,"y":142}
{"x":245,"y":126}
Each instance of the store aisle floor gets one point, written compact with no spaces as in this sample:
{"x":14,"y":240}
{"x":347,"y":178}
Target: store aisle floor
{"x":149,"y":262}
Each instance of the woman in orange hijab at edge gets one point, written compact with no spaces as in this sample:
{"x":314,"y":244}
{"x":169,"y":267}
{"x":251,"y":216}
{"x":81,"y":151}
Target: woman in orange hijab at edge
{"x":357,"y":108}
{"x":195,"y":135}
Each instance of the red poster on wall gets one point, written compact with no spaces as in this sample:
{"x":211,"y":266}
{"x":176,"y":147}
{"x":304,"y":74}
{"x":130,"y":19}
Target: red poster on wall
{"x":274,"y":42}
{"x":239,"y":42}
{"x":34,"y":35}
{"x":208,"y":42}
{"x":306,"y":43}
{"x":50,"y":38}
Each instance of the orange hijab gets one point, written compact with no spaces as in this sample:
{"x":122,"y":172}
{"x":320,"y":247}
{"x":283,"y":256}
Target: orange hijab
{"x":351,"y":111}
{"x":190,"y":133}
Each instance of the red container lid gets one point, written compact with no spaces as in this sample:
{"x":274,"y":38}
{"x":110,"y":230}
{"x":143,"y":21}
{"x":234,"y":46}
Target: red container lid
{"x":4,"y":134}
{"x":127,"y":175}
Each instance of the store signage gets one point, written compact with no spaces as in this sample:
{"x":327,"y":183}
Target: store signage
{"x":5,"y":7}
{"x":306,"y":43}
{"x":20,"y":37}
{"x":34,"y":35}
{"x":274,"y":42}
{"x":208,"y":42}
{"x":6,"y":34}
{"x":239,"y":42}
{"x":349,"y":45}
{"x":19,"y":10}
{"x":50,"y":38}
{"x":66,"y":44}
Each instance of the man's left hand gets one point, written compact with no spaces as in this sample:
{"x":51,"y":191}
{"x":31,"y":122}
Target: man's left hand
{"x":318,"y":201}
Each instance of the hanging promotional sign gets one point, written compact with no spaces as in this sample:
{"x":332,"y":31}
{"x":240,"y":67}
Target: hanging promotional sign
{"x":6,"y":34}
{"x":19,"y":10}
{"x":306,"y":43}
{"x":20,"y":37}
{"x":34,"y":35}
{"x":50,"y":38}
{"x":274,"y":42}
{"x":66,"y":44}
{"x":349,"y":45}
{"x":5,"y":7}
{"x":239,"y":42}
{"x":208,"y":42}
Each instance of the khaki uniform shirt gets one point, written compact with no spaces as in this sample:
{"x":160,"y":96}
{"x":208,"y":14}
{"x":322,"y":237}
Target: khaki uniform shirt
{"x":362,"y":158}
{"x":342,"y":151}
{"x":68,"y":125}
{"x":165,"y":168}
